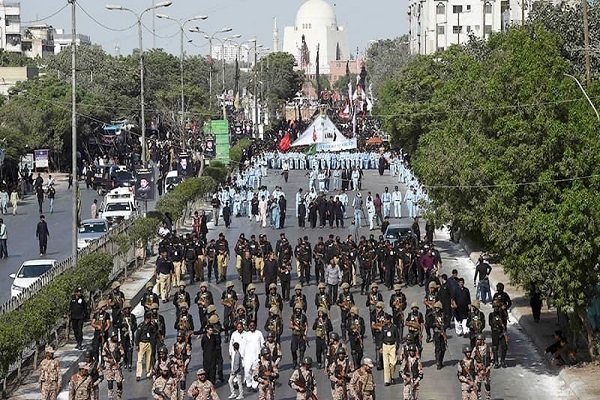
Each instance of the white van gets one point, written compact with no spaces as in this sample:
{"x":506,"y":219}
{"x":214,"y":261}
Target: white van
{"x":171,"y":181}
{"x":119,"y":205}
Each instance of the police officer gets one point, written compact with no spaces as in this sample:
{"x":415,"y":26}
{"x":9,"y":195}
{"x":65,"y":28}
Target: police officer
{"x":80,"y":385}
{"x":390,"y":338}
{"x":77,"y":313}
{"x":299,"y":298}
{"x":414,"y":322}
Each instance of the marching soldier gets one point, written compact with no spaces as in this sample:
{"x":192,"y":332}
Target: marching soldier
{"x":229,"y":301}
{"x":373,"y":297}
{"x":439,"y":335}
{"x":362,"y":383}
{"x":483,"y":366}
{"x":96,"y":374}
{"x":340,"y":374}
{"x":180,"y":358}
{"x":50,"y":376}
{"x":127,"y":324}
{"x":222,"y":250}
{"x":398,"y":305}
{"x":466,"y":375}
{"x":181,"y":296}
{"x":149,"y":297}
{"x":265,"y":373}
{"x":113,"y":354}
{"x":211,"y":260}
{"x":163,"y":360}
{"x":411,"y":372}
{"x":115,"y":300}
{"x":299,"y":327}
{"x":318,"y":254}
{"x":241,"y":246}
{"x":414,"y":323}
{"x":273,"y":298}
{"x":322,"y":327}
{"x":203,"y":299}
{"x":184,"y":322}
{"x":158,"y":321}
{"x":333,"y":347}
{"x":241,"y":318}
{"x":499,"y":335}
{"x":202,"y":389}
{"x":355,"y":324}
{"x":165,"y":386}
{"x":390,"y":338}
{"x":274,"y":323}
{"x":303,"y":381}
{"x":101,"y":323}
{"x":322,"y":298}
{"x":345,"y":301}
{"x":429,"y":301}
{"x":274,"y":348}
{"x":299,"y":298}
{"x":251,"y":303}
{"x":476,"y":322}
{"x":377,"y":319}
{"x":80,"y":385}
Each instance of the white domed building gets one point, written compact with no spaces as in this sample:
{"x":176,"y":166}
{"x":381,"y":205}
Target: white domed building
{"x":316,"y":21}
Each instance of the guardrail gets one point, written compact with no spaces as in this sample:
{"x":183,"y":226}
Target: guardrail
{"x":103,"y":244}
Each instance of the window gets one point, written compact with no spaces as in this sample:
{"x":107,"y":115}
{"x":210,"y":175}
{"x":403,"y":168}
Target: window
{"x":440,"y":9}
{"x":441,"y":29}
{"x":457,"y":29}
{"x":488,"y":29}
{"x":468,"y":28}
{"x":441,"y":49}
{"x":468,"y":8}
{"x":488,"y":8}
{"x":457,"y":9}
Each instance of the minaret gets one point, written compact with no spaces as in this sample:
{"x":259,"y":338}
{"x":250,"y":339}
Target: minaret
{"x":275,"y":47}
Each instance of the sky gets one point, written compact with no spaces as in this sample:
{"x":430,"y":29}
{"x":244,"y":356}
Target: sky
{"x":364,"y":20}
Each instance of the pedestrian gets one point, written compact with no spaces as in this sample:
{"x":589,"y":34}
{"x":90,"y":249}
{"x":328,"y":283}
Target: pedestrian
{"x":80,"y":385}
{"x":535,"y":299}
{"x":3,"y":200}
{"x":14,"y":200}
{"x":202,"y":389}
{"x":70,"y":182}
{"x":482,"y":271}
{"x":42,"y":234}
{"x":483,"y":366}
{"x":236,"y":376}
{"x":51,"y":194}
{"x":77,"y":314}
{"x":94,"y":209}
{"x":3,"y":239}
{"x":39,"y":193}
{"x":357,"y":204}
{"x":50,"y":376}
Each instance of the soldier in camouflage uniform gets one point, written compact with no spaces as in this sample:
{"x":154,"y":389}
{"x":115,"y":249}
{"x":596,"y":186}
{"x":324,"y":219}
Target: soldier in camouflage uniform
{"x":96,"y":374}
{"x":466,"y":375}
{"x":411,"y":372}
{"x":322,"y":327}
{"x":80,"y":385}
{"x":265,"y":373}
{"x":274,"y":323}
{"x":339,"y":373}
{"x":127,"y":324}
{"x":180,"y":357}
{"x":50,"y":377}
{"x":202,"y":389}
{"x":333,"y":347}
{"x":251,"y":303}
{"x":303,"y":381}
{"x":113,"y":354}
{"x":165,"y":386}
{"x":274,"y":348}
{"x":362,"y":383}
{"x":163,"y":360}
{"x":483,"y":366}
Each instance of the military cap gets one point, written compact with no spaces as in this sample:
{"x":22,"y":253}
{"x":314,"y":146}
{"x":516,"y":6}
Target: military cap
{"x":229,"y":284}
{"x":480,"y":336}
{"x":322,"y":285}
{"x":252,"y":286}
{"x":149,"y":285}
{"x":115,"y":285}
{"x":354,"y":310}
{"x":49,"y":349}
{"x":182,"y":283}
{"x":323,"y":310}
{"x":380,"y":304}
{"x":345,"y":285}
{"x":397,"y":286}
{"x":154,"y":306}
{"x":307,"y":361}
{"x":183,"y":305}
{"x":341,"y":350}
{"x":201,"y":371}
{"x":84,"y":365}
{"x":476,"y":304}
{"x":126,"y":304}
{"x":272,"y":286}
{"x":204,"y":284}
{"x":466,"y":349}
{"x":211,"y":308}
{"x":374,"y":285}
{"x":298,"y":287}
{"x":414,"y":305}
{"x":368,"y":362}
{"x":438,"y":304}
{"x":432,"y":284}
{"x":213,"y":319}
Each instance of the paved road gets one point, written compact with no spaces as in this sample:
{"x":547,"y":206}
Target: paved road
{"x":527,"y":377}
{"x":22,"y":243}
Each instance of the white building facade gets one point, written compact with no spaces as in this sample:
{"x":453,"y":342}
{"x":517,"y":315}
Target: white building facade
{"x":10,"y":27}
{"x":434,"y":25}
{"x":230,"y":52}
{"x":62,"y":40}
{"x":317,"y":23}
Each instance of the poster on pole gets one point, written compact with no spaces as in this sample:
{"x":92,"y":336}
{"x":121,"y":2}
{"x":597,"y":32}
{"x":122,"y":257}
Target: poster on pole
{"x":41,"y":158}
{"x":209,"y":148}
{"x":220,"y":129}
{"x":144,"y":184}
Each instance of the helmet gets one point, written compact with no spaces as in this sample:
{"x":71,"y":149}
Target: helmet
{"x":414,"y":305}
{"x":432,"y":284}
{"x":211,"y":308}
{"x":126,"y":304}
{"x":149,"y":285}
{"x":115,"y":285}
{"x":412,"y":347}
{"x":466,"y":349}
{"x":89,"y":354}
{"x":476,"y":304}
{"x":241,"y":307}
{"x":374,"y":285}
{"x":354,"y":310}
{"x":397,"y":286}
{"x":154,"y":306}
{"x":213,"y":319}
{"x":183,"y":305}
{"x":345,"y":285}
{"x":307,"y":361}
{"x":229,"y":284}
{"x":480,"y":336}
{"x":380,"y":304}
{"x":272,"y":286}
{"x":298,"y":287}
{"x":264,"y":351}
{"x":182,"y":283}
{"x":438,"y":304}
{"x":163,"y":349}
{"x":323,"y":310}
{"x":322,"y":285}
{"x":334,"y":336}
{"x":204,"y":284}
{"x":341,"y":350}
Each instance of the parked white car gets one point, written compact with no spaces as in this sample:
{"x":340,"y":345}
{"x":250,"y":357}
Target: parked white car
{"x":30,"y":271}
{"x":90,"y":230}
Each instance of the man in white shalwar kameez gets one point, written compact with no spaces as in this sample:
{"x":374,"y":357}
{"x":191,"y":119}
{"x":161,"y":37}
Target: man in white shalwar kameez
{"x":237,"y":336}
{"x":253,"y":342}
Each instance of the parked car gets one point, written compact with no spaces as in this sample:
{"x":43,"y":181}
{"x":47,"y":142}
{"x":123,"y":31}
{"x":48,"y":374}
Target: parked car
{"x":396,"y":232}
{"x":123,"y":178}
{"x":90,"y":230}
{"x":30,"y":271}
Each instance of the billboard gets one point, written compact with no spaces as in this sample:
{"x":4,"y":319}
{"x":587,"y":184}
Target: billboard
{"x":144,"y":184}
{"x":220,"y":129}
{"x":184,"y":165}
{"x":41,"y":158}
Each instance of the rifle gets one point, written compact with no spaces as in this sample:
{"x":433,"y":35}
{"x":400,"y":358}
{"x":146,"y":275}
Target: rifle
{"x":341,"y":375}
{"x":161,"y":392}
{"x":302,"y":384}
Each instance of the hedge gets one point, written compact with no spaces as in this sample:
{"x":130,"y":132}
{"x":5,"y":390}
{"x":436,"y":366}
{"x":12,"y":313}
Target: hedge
{"x":35,"y":320}
{"x":175,"y":202}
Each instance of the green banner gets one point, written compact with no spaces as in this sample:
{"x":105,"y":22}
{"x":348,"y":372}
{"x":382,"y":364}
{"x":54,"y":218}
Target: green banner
{"x":220,"y":128}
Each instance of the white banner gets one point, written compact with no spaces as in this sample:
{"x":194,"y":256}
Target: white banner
{"x":338,"y":145}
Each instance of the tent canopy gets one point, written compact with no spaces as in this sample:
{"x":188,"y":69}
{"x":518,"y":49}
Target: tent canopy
{"x":323,"y":132}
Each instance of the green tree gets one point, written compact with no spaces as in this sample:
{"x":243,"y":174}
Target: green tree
{"x":386,"y":57}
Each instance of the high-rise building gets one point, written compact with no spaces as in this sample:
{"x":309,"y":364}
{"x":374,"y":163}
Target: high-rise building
{"x":434,"y":25}
{"x":10,"y":27}
{"x":230,"y":51}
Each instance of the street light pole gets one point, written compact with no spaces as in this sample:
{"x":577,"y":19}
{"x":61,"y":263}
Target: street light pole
{"x":181,"y":57}
{"x":74,"y":213}
{"x":141,"y":49}
{"x":584,"y":93}
{"x":255,"y":92}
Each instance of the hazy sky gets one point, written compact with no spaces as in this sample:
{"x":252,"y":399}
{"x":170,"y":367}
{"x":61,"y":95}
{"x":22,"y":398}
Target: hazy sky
{"x":364,"y":20}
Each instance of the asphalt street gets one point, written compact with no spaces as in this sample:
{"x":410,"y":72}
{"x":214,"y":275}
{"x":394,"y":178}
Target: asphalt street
{"x":22,"y":243}
{"x":527,"y":375}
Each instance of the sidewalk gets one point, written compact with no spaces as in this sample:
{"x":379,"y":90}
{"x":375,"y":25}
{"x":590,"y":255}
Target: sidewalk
{"x":582,"y":379}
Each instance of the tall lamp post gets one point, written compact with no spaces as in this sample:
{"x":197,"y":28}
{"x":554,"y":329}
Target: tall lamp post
{"x":139,"y":23}
{"x":210,"y":39}
{"x":74,"y":174}
{"x":182,"y":24}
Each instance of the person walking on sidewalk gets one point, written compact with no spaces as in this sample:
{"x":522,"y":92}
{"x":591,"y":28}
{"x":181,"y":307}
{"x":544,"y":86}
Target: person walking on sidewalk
{"x":94,"y":209}
{"x":42,"y":234}
{"x":51,"y":195}
{"x":3,"y":201}
{"x":39,"y":194}
{"x":3,"y":239}
{"x":14,"y":200}
{"x":482,"y":271}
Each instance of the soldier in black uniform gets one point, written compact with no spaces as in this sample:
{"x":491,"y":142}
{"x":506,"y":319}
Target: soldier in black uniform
{"x":504,"y":300}
{"x":78,"y":310}
{"x":299,"y":327}
{"x":322,"y":327}
{"x":115,"y":300}
{"x":203,"y":299}
{"x":299,"y":297}
{"x":414,"y":322}
{"x":256,"y":253}
{"x":211,"y":260}
{"x":408,"y":265}
{"x":345,"y":301}
{"x":391,"y":259}
{"x":429,"y":301}
{"x":381,"y":250}
{"x":499,"y":334}
{"x":352,"y":253}
{"x":304,"y":257}
{"x":265,"y":249}
{"x":127,"y":325}
{"x":241,"y":317}
{"x":437,"y":323}
{"x":190,"y":256}
{"x":322,"y":298}
{"x":373,"y":297}
{"x":318,"y":254}
{"x":355,"y":325}
{"x":181,"y":296}
{"x":252,"y":303}
{"x":377,"y":320}
{"x":95,"y":372}
{"x":229,"y":301}
{"x":364,"y":264}
{"x":398,"y":305}
{"x":101,"y":322}
{"x":160,"y":329}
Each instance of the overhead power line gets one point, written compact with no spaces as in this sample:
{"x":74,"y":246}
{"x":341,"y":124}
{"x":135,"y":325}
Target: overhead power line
{"x":500,"y":185}
{"x":48,"y":17}
{"x":104,"y":25}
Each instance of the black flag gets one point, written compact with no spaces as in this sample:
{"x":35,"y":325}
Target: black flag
{"x":317,"y":75}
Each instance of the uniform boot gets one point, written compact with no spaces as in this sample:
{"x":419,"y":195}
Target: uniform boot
{"x":295,"y":359}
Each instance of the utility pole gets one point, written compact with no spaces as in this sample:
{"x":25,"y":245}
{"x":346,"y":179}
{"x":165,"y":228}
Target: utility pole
{"x":255,"y":93}
{"x":522,"y":12}
{"x":586,"y":41}
{"x":74,"y":195}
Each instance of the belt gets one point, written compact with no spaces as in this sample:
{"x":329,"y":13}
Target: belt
{"x":389,"y":344}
